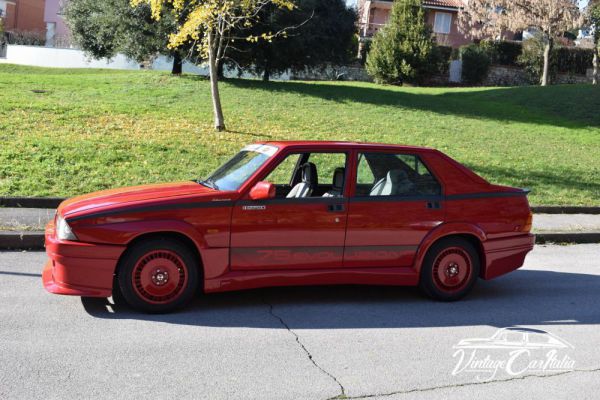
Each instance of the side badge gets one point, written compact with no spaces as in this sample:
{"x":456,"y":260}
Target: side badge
{"x":250,"y":208}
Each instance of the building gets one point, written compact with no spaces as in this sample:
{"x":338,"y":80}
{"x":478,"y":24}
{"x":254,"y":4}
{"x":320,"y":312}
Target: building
{"x":57,"y":31}
{"x":442,"y":15}
{"x":23,"y":15}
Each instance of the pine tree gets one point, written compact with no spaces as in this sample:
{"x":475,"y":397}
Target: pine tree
{"x":402,"y":51}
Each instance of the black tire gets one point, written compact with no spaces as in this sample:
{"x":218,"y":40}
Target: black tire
{"x":159,"y":275}
{"x":450,"y":269}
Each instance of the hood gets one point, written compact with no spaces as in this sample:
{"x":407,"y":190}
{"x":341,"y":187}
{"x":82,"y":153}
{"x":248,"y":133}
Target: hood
{"x":134,"y":194}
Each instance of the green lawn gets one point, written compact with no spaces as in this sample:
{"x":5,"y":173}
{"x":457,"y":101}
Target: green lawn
{"x":95,"y":129}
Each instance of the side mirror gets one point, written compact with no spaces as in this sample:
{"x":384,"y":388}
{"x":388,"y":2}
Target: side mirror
{"x":262,"y":191}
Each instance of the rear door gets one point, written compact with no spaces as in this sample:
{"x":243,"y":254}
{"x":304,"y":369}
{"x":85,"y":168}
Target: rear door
{"x":395,"y":202}
{"x":292,"y":233}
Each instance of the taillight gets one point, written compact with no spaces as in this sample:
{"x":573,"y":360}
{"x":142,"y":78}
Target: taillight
{"x":528,"y":223}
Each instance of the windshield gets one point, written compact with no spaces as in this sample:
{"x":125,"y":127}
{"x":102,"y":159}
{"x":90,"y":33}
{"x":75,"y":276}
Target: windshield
{"x":232,"y":174}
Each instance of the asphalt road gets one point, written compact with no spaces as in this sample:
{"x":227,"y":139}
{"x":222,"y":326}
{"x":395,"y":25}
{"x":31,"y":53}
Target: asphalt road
{"x":303,"y":343}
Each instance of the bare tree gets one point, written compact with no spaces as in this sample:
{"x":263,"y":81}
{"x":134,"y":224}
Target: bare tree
{"x":593,"y":18}
{"x":485,"y":18}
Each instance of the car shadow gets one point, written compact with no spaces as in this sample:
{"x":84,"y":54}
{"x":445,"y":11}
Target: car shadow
{"x":525,"y":297}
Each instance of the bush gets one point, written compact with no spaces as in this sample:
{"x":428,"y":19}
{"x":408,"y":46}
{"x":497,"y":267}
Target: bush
{"x":475,"y":63}
{"x":441,"y":57}
{"x":572,"y":60}
{"x":26,"y":38}
{"x":402,"y":51}
{"x":563,"y":60}
{"x":532,"y":60}
{"x":502,"y":52}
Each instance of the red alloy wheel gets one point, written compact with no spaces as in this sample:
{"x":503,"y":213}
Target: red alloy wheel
{"x":452,"y":269}
{"x":159,"y":277}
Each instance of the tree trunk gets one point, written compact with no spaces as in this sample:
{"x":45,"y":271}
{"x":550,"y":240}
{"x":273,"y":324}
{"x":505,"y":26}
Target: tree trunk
{"x":214,"y":84}
{"x":595,"y":66}
{"x":221,"y":70}
{"x":177,"y":64}
{"x":266,"y":74}
{"x":547,"y":51}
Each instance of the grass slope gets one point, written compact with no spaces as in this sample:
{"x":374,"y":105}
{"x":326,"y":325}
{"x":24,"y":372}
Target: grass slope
{"x":94,"y":129}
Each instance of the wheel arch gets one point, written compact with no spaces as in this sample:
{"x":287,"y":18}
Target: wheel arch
{"x":470,"y":232}
{"x":180,"y":237}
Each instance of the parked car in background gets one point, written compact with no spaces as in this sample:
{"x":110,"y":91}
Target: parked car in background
{"x":292,"y":213}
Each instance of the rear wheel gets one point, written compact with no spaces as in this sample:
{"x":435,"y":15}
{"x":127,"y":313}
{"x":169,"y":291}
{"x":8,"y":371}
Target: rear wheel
{"x":450,"y":269}
{"x":159,"y":275}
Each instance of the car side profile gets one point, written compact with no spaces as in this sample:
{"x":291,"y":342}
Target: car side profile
{"x":292,"y":213}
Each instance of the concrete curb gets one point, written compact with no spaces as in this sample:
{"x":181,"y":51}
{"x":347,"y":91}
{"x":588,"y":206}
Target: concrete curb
{"x":21,"y":240}
{"x":35,"y":240}
{"x":31,"y":202}
{"x":565,"y":210}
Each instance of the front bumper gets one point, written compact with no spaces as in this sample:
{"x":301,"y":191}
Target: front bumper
{"x":504,"y":255}
{"x":79,"y":269}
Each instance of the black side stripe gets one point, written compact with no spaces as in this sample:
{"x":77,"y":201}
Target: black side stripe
{"x":162,"y":207}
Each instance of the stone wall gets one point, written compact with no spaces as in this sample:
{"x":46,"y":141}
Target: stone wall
{"x":501,"y":75}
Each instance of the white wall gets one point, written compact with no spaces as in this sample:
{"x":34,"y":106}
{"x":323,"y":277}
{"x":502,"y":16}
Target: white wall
{"x":63,"y":58}
{"x":38,"y":56}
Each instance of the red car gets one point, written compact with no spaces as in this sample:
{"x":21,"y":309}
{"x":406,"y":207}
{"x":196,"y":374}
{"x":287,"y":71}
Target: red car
{"x":292,"y":213}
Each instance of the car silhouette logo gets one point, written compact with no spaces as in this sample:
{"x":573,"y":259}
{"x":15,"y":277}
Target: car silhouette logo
{"x":516,"y":338}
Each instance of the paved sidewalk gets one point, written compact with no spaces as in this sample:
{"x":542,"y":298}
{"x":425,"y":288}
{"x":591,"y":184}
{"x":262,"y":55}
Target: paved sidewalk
{"x":35,"y":219}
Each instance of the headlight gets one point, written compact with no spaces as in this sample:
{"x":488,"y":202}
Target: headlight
{"x":63,"y":230}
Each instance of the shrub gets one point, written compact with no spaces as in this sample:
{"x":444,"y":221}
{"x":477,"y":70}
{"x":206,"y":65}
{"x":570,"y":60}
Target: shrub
{"x":441,"y":57}
{"x":475,"y":63}
{"x":502,"y":52}
{"x":26,"y":38}
{"x":402,"y":51}
{"x":564,"y":60}
{"x":573,"y":60}
{"x":532,"y":60}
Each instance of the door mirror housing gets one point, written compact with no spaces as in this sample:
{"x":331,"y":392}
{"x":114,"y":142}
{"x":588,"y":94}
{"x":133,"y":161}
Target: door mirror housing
{"x":262,"y":191}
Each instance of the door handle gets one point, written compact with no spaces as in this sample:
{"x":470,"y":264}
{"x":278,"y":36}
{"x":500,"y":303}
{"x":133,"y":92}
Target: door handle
{"x":335,"y":207}
{"x":434,"y":205}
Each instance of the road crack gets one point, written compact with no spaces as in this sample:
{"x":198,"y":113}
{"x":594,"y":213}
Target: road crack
{"x":342,"y":394}
{"x":467,"y":384}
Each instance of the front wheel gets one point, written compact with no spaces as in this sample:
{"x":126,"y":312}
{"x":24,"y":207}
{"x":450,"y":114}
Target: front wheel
{"x":158,"y":276}
{"x":450,"y":269}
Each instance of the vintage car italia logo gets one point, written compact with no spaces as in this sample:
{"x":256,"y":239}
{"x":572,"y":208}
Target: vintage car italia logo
{"x":514,"y":352}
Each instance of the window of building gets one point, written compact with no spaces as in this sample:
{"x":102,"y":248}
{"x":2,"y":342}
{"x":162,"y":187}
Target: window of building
{"x":442,"y":22}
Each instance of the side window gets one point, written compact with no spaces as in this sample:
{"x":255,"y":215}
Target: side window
{"x":326,"y":164}
{"x":282,"y":174}
{"x":388,"y":174}
{"x":309,"y":175}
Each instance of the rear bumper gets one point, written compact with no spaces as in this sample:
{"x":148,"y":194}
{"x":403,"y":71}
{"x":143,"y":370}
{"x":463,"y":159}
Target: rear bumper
{"x":506,"y":254}
{"x":79,"y":269}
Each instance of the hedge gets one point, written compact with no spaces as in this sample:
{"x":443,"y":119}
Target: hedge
{"x":502,"y":52}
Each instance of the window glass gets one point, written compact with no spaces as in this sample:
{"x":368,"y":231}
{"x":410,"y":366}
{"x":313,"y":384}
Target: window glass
{"x":232,"y":174}
{"x":364,"y":175}
{"x":388,"y":174}
{"x":442,"y":22}
{"x":282,"y":174}
{"x":326,"y":164}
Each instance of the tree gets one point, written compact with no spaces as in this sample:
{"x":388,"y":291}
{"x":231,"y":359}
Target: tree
{"x":317,"y":33}
{"x":495,"y":18}
{"x":593,"y":16}
{"x":211,"y":23}
{"x":106,"y":28}
{"x":403,"y":49}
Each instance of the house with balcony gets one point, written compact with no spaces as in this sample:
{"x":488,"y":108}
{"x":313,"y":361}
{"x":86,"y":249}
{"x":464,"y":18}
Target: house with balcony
{"x":442,"y":15}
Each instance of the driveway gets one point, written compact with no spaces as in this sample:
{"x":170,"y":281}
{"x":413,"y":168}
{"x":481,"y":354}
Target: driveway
{"x":302,"y":343}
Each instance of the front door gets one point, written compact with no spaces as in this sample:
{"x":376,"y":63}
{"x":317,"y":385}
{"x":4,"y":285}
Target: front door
{"x":303,"y":227}
{"x":396,"y":202}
